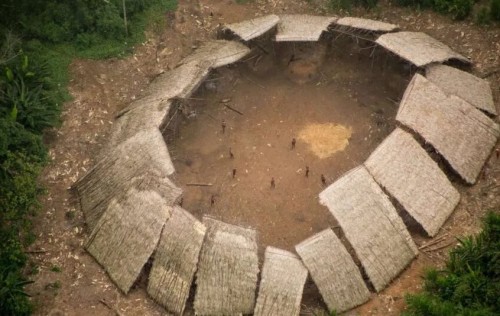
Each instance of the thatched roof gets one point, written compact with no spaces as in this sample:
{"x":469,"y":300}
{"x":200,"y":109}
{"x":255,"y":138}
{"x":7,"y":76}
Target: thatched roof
{"x":418,"y":48}
{"x":366,"y":25}
{"x":227,"y":272}
{"x":406,"y":171}
{"x":282,"y":282}
{"x":218,"y":53}
{"x":463,"y":135}
{"x":152,"y":109}
{"x":127,"y":233}
{"x":142,"y":160}
{"x":175,"y":260}
{"x":307,"y":28}
{"x":472,"y":89}
{"x":333,"y":270}
{"x":253,"y":28}
{"x":371,"y":224}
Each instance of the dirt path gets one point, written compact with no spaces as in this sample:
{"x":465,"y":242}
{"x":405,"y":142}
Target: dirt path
{"x":101,"y":88}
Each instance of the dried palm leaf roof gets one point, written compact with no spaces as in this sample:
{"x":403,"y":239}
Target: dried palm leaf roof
{"x":250,"y":29}
{"x":371,"y":224}
{"x":218,"y":53}
{"x":366,"y":25}
{"x":462,"y":134}
{"x":175,"y":260}
{"x":282,"y":283}
{"x":227,"y":272}
{"x":405,"y":170}
{"x":307,"y":28}
{"x":127,"y":233}
{"x":418,"y":48}
{"x":472,"y":89}
{"x":333,"y":271}
{"x":142,"y":160}
{"x":152,"y":109}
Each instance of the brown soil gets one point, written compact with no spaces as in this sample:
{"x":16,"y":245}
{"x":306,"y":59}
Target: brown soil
{"x":100,"y":89}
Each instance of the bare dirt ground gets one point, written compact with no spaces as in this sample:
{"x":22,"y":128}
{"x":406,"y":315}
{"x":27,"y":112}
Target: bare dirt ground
{"x":101,"y":88}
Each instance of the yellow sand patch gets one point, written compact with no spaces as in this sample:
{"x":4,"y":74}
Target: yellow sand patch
{"x":326,"y":139}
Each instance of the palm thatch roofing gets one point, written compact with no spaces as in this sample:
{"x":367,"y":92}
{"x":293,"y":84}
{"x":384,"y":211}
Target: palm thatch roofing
{"x":334,"y":271}
{"x":250,"y":29}
{"x":405,"y":170}
{"x":371,"y":224}
{"x":418,"y":48}
{"x":282,"y":283}
{"x":176,"y":260}
{"x":152,"y":109}
{"x":366,"y":25}
{"x":306,"y":28}
{"x":127,"y":233}
{"x":472,"y":89}
{"x":218,"y":53}
{"x":462,"y":134}
{"x":227,"y":272}
{"x":140,"y":161}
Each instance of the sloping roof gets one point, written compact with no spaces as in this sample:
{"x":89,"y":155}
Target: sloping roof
{"x":175,"y":260}
{"x":334,"y":271}
{"x":366,"y":24}
{"x":142,"y":160}
{"x":307,"y":28}
{"x":472,"y":89}
{"x":127,"y":233}
{"x":227,"y":272}
{"x":282,"y":283}
{"x":458,"y":131}
{"x":152,"y":109}
{"x":253,"y":28}
{"x":218,"y":53}
{"x":405,"y":170}
{"x":418,"y":48}
{"x":371,"y":224}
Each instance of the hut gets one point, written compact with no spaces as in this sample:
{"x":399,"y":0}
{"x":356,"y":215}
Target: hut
{"x":371,"y":224}
{"x":140,"y":161}
{"x":302,"y":28}
{"x":250,"y":29}
{"x":218,"y":53}
{"x":127,"y":233}
{"x":463,"y":135}
{"x":333,"y":271}
{"x":464,"y":85}
{"x":366,"y":25}
{"x":175,"y":260}
{"x":418,"y":48}
{"x":282,"y":282}
{"x":226,"y":280}
{"x":405,"y":170}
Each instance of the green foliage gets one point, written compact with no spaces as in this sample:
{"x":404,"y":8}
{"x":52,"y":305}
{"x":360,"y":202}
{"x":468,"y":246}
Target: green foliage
{"x":483,"y":16}
{"x":470,"y":284}
{"x":458,"y":9}
{"x":495,"y":10}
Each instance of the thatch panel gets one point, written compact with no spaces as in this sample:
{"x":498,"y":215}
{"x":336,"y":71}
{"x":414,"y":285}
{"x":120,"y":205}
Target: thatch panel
{"x":367,"y":25}
{"x":227,"y":272}
{"x":462,"y":134}
{"x":141,"y":161}
{"x":253,"y":28}
{"x":175,"y":260}
{"x":152,"y":109}
{"x":127,"y":233}
{"x":406,"y":171}
{"x":334,"y":271}
{"x":307,"y":28}
{"x":218,"y":53}
{"x":418,"y":48}
{"x":371,"y":224}
{"x":282,"y":283}
{"x":472,"y":89}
